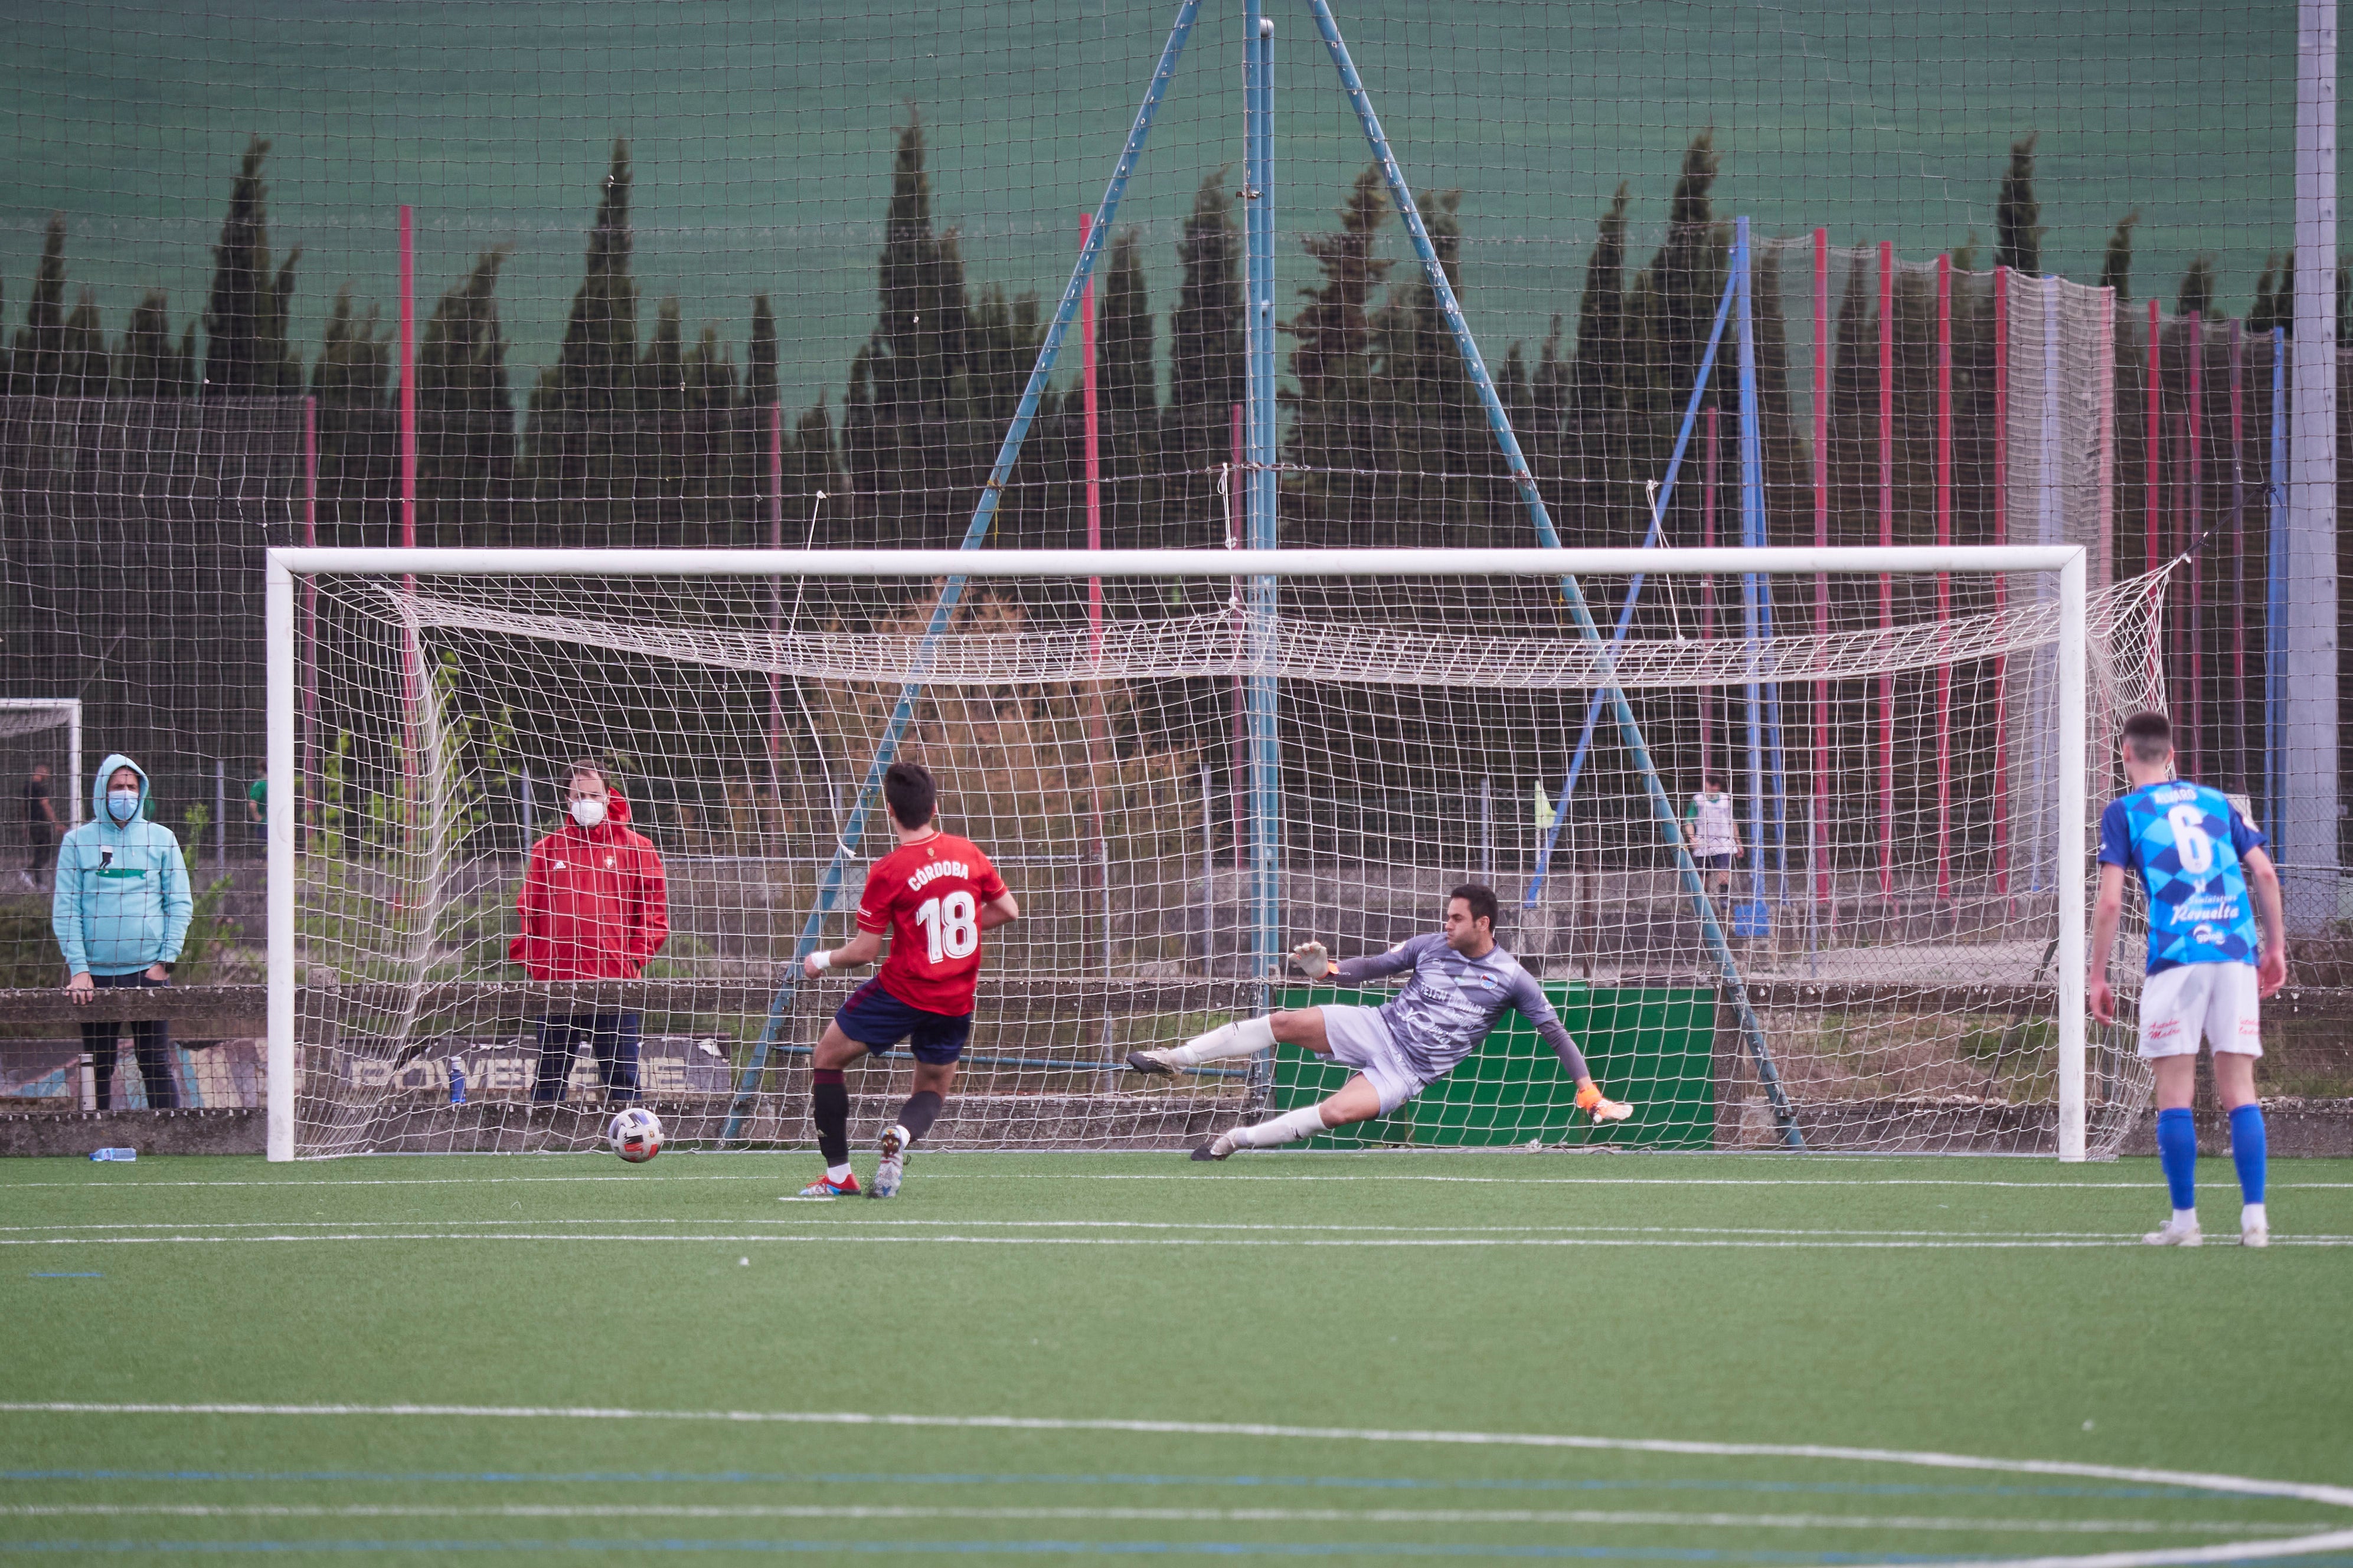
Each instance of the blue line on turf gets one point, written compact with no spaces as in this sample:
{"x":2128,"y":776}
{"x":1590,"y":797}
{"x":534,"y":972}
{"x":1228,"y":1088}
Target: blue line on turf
{"x":1348,"y":1483}
{"x":68,"y":1276}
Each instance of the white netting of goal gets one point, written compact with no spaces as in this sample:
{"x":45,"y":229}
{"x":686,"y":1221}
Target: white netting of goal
{"x":1891,"y":987}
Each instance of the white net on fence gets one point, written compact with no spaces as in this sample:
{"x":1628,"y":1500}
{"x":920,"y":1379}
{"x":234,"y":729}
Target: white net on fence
{"x":1869,"y":996}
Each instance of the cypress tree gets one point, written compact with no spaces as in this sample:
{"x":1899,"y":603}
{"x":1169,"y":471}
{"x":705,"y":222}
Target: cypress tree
{"x":464,"y":402}
{"x":1128,"y":389}
{"x":1600,"y":374}
{"x":351,"y":381}
{"x":2017,"y":230}
{"x":906,"y":426}
{"x":147,"y":363}
{"x":579,"y":425}
{"x":1206,"y":352}
{"x":1331,"y":427}
{"x":2115,"y":262}
{"x":2196,"y":296}
{"x":82,"y":359}
{"x":1669,"y":310}
{"x":246,"y":349}
{"x":1128,"y":382}
{"x":760,"y":374}
{"x":1424,"y":409}
{"x":2274,"y":302}
{"x":39,"y":359}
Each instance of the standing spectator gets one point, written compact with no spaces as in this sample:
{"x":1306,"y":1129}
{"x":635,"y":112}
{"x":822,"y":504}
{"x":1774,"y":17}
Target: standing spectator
{"x":40,"y":826}
{"x":594,"y":906}
{"x":257,"y":808}
{"x":1714,"y":839}
{"x":120,"y":913}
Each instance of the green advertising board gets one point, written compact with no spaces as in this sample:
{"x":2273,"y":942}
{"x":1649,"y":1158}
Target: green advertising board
{"x":1652,"y":1047}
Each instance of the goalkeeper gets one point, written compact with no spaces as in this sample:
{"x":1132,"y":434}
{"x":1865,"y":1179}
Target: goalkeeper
{"x":1462,"y":983}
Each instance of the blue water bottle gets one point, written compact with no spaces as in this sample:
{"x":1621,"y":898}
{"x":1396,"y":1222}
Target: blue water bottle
{"x":457,"y":1080}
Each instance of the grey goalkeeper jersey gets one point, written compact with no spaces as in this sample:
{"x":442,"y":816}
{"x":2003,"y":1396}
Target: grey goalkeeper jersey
{"x":1453,"y":1001}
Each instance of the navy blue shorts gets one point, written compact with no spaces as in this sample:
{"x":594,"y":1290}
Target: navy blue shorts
{"x":1715,"y":862}
{"x":878,"y":1020}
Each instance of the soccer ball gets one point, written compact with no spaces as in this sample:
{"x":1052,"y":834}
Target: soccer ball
{"x":636,"y":1134}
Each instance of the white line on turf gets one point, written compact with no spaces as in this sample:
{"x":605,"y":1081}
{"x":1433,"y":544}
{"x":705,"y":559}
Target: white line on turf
{"x":977,"y":1222}
{"x":114,"y":1183}
{"x":2170,"y":1557}
{"x":845,"y":1235}
{"x":1653,"y":1518}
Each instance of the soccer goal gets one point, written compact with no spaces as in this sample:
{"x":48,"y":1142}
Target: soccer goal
{"x":1185,"y":763}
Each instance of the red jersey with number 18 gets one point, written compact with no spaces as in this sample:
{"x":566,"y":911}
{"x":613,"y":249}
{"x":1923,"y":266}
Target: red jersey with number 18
{"x":929,"y":895}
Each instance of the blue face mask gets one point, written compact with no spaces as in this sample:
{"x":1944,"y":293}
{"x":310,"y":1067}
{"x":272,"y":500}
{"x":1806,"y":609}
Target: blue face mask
{"x":122,"y":805}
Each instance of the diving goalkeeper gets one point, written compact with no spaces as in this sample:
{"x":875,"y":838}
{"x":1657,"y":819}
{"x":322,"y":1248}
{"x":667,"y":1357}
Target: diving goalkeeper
{"x":1462,"y":983}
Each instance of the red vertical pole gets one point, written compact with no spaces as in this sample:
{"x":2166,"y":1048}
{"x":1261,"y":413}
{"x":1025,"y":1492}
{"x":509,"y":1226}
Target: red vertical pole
{"x":2193,"y":525}
{"x":2153,"y":395}
{"x":1236,"y":478}
{"x":1886,"y":581}
{"x":2002,"y":580}
{"x":1707,"y":589}
{"x":1819,"y":826}
{"x":1944,"y":579}
{"x":1093,"y":438}
{"x":412,"y":655}
{"x":775,"y":488}
{"x":309,"y":649}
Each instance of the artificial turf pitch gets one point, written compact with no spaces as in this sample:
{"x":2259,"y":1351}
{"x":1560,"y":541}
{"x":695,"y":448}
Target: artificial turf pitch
{"x":591,"y":1340}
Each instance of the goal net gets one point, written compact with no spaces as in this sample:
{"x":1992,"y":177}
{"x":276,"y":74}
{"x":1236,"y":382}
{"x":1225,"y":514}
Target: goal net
{"x":1182,"y":776}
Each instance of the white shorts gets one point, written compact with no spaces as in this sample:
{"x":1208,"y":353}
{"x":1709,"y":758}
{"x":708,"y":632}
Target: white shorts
{"x":1360,"y":1038}
{"x":2215,"y":1000}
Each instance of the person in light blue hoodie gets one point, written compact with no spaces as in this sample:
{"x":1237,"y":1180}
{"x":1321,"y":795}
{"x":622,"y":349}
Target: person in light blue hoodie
{"x":120,"y":913}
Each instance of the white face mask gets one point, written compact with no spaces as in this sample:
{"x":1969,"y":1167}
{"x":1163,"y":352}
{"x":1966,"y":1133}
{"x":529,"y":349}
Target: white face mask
{"x":588,"y":811}
{"x":122,"y":805}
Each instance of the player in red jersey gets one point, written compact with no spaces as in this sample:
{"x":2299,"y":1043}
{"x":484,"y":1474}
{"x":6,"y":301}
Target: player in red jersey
{"x":935,"y":893}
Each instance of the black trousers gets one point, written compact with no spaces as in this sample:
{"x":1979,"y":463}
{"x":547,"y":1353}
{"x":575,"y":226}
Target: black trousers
{"x":613,"y":1037}
{"x":150,"y":1045}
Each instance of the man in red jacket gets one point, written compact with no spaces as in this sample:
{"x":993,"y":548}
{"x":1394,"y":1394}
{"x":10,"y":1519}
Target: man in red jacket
{"x":593,"y":906}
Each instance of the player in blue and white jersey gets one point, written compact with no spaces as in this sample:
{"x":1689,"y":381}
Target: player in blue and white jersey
{"x":1461,"y":983}
{"x":2216,"y":942}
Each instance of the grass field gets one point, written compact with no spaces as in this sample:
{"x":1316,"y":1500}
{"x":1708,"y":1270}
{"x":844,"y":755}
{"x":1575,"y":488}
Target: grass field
{"x":1338,"y":1356}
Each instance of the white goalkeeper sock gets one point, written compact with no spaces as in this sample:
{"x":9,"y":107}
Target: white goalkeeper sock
{"x":1247,"y":1038}
{"x":1287,"y":1128}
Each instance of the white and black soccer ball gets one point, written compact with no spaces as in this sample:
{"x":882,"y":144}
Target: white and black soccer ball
{"x":636,"y":1134}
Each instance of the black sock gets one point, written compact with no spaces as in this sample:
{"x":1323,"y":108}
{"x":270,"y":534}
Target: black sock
{"x":922,"y":1107}
{"x":829,"y":1109}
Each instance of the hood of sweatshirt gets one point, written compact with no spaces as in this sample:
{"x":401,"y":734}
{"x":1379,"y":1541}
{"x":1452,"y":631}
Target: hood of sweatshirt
{"x":106,"y":770}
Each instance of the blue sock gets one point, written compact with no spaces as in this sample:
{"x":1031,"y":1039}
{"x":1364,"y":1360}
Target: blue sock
{"x":2248,"y":1150}
{"x":2176,"y":1151}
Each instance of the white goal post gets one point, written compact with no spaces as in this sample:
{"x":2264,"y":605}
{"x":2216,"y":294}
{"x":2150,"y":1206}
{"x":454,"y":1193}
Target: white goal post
{"x":30,"y":715}
{"x":1573,"y":659}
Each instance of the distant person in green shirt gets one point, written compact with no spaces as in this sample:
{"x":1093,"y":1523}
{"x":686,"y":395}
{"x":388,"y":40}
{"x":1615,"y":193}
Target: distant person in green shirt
{"x":257,"y":808}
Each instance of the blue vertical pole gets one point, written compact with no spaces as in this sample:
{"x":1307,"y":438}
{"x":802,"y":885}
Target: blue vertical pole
{"x":1662,"y":806}
{"x":2276,"y":608}
{"x":1653,"y":535}
{"x":984,"y":512}
{"x":1752,"y":598}
{"x":1260,"y":522}
{"x":1767,"y":774}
